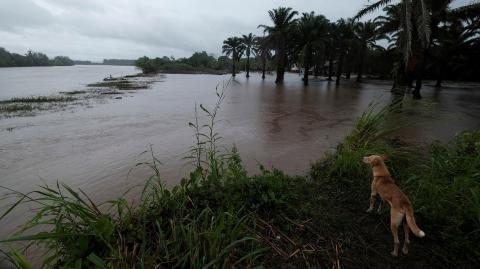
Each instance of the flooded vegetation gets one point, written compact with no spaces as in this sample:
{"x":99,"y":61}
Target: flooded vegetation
{"x":28,"y":105}
{"x":251,"y":159}
{"x":92,"y":93}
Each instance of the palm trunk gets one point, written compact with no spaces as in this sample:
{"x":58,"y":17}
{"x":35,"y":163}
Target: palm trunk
{"x":348,"y":67}
{"x":316,"y":70}
{"x":234,"y":56}
{"x":339,"y":67}
{"x":248,"y":65}
{"x":330,"y":68}
{"x":420,"y":68}
{"x":400,"y":80}
{"x":306,"y":63}
{"x":439,"y":76}
{"x":418,"y":86}
{"x":280,"y":62}
{"x":264,"y":64}
{"x":360,"y":67}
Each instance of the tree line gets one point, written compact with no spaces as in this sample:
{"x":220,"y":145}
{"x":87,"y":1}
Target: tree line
{"x":425,"y":39}
{"x":8,"y":59}
{"x":198,"y":62}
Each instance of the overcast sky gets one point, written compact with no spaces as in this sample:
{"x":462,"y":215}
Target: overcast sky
{"x":98,"y":29}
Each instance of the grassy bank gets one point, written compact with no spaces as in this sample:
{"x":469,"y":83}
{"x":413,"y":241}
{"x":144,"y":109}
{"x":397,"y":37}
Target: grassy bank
{"x":220,"y":217}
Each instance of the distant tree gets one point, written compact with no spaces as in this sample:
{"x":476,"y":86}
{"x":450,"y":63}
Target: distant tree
{"x":61,"y":61}
{"x":366,"y":34}
{"x":146,"y":65}
{"x":248,"y":43}
{"x":233,"y":46}
{"x":36,"y":59}
{"x":283,"y":19}
{"x":6,"y":58}
{"x":262,"y":49}
{"x":223,"y":63}
{"x":125,"y":62}
{"x":309,"y":34}
{"x":343,"y":39}
{"x":201,"y":59}
{"x":455,"y":43}
{"x":416,"y":22}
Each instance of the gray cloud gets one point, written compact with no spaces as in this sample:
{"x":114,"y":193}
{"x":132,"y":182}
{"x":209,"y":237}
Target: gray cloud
{"x":15,"y":15}
{"x":93,"y":29}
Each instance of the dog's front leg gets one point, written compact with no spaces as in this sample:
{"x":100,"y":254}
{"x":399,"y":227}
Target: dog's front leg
{"x":373,"y":194}
{"x":372,"y":201}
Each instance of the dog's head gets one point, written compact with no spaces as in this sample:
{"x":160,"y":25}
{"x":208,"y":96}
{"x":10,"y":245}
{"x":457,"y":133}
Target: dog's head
{"x":374,"y":160}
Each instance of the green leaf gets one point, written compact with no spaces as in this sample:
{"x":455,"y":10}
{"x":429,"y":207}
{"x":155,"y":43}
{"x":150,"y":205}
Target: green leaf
{"x":105,"y":227}
{"x":20,"y":260}
{"x":99,"y":263}
{"x":78,"y":264}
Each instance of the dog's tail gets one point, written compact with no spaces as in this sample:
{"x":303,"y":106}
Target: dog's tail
{"x":411,"y":222}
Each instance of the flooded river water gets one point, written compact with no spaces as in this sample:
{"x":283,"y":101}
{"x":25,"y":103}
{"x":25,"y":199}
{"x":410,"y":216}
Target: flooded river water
{"x":288,"y":127}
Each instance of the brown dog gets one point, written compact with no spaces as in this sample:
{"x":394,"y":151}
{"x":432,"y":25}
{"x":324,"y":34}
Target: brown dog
{"x":400,"y":205}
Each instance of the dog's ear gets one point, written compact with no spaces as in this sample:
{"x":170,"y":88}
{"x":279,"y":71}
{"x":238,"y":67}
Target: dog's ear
{"x":384,"y":156}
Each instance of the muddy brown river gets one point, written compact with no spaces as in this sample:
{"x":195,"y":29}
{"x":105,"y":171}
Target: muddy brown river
{"x":95,"y":147}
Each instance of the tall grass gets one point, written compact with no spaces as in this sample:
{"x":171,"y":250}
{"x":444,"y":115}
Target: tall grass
{"x":371,"y":134}
{"x":167,"y":229}
{"x":446,"y":188}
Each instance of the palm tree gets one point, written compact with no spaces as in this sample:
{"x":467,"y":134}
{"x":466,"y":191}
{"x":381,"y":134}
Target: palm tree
{"x":413,"y":35}
{"x":366,"y":34}
{"x":343,"y":38}
{"x":414,"y":31}
{"x":330,"y":49}
{"x":309,"y":30}
{"x":233,"y":46}
{"x":459,"y":31}
{"x":283,"y":19}
{"x":248,"y":43}
{"x":263,"y":49}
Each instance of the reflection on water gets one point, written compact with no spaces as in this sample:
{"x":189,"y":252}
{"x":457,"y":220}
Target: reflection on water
{"x":285,"y":126}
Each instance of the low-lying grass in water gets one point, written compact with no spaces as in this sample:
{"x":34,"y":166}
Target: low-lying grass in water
{"x":22,"y":105}
{"x":220,"y":217}
{"x":15,"y":107}
{"x":121,"y":84}
{"x":39,"y":99}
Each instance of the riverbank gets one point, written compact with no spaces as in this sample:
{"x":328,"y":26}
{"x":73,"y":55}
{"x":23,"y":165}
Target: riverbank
{"x":221,"y":217}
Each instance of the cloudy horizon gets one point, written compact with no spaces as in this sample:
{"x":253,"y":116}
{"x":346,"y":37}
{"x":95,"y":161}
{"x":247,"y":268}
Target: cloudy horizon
{"x":95,"y":30}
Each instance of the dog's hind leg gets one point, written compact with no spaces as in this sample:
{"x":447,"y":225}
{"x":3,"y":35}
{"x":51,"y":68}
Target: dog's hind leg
{"x":406,"y":243}
{"x":395,"y":220}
